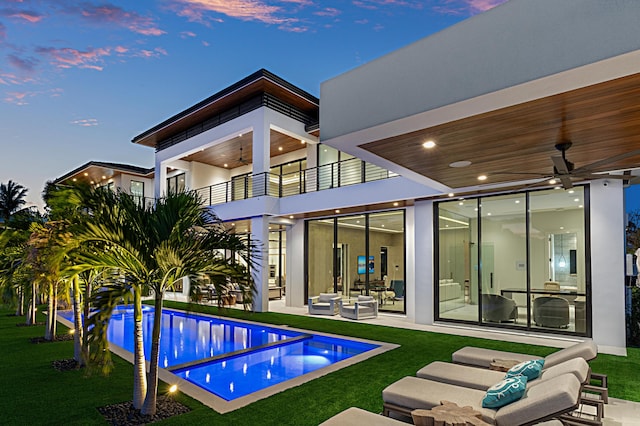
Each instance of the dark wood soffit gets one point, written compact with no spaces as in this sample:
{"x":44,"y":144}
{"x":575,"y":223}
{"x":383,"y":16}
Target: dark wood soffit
{"x":260,"y":86}
{"x":229,"y":152}
{"x":602,"y":120}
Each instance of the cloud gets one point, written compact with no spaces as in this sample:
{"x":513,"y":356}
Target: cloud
{"x":85,"y":122}
{"x":377,"y":4}
{"x":467,"y":7}
{"x":185,"y":34}
{"x":67,"y":57}
{"x":27,"y":65}
{"x":157,"y":52}
{"x":26,"y":15}
{"x":3,"y":32}
{"x":246,"y":10}
{"x":114,"y":15}
{"x":20,"y":98}
{"x":328,"y":11}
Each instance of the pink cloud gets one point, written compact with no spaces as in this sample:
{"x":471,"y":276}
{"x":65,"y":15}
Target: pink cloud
{"x":23,"y":64}
{"x":467,"y":7}
{"x":114,"y":15}
{"x":3,"y":32}
{"x":121,"y":49}
{"x":67,"y":57}
{"x":246,"y":10}
{"x":17,"y":98}
{"x":329,"y":11}
{"x":26,"y":15}
{"x":185,"y":34}
{"x":152,"y":53}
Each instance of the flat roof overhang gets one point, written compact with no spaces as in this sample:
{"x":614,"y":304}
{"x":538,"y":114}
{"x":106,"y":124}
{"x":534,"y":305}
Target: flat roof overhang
{"x":96,"y":171}
{"x":261,"y":81}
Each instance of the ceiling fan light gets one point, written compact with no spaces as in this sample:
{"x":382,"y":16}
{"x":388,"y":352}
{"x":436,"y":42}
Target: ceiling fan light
{"x":552,"y":182}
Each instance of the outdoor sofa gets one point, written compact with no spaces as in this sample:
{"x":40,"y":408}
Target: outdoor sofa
{"x":324,"y":304}
{"x":359,"y":308}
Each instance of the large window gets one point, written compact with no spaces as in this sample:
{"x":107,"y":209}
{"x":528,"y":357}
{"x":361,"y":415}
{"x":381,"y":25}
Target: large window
{"x":136,"y":189}
{"x":358,"y":254}
{"x":176,"y":184}
{"x":515,"y":260}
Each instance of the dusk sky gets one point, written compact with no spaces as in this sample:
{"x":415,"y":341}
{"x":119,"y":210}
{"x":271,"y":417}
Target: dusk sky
{"x":80,"y":79}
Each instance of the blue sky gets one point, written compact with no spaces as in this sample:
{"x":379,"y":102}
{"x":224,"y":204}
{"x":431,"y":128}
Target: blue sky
{"x":80,"y":79}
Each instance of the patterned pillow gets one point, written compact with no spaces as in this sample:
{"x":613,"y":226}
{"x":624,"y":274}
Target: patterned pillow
{"x":505,"y":392}
{"x":531,"y":369}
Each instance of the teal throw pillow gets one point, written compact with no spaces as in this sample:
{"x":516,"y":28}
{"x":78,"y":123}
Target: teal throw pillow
{"x":505,"y":392}
{"x":531,"y":369}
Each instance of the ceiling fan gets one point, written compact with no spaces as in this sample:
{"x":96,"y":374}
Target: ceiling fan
{"x":242,"y":160}
{"x":564,"y":170}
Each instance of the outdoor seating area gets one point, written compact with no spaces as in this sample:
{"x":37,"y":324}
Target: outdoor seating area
{"x":546,"y":391}
{"x":357,"y":308}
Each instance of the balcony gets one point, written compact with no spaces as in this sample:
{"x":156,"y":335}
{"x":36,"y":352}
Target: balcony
{"x":334,"y":175}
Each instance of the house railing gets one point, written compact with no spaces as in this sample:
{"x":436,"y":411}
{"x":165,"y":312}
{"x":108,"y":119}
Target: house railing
{"x":334,"y":175}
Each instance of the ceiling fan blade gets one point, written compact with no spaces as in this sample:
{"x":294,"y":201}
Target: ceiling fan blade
{"x":599,"y":176}
{"x":566,"y":181}
{"x":592,"y":166}
{"x":560,"y":164}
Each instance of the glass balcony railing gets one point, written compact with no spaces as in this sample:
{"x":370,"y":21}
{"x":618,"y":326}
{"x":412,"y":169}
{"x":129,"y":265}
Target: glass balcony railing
{"x":334,"y":175}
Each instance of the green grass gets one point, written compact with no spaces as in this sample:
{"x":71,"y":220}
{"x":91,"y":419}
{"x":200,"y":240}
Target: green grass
{"x":32,"y":392}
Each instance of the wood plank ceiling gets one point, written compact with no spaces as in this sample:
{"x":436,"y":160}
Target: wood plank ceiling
{"x":602,"y":121}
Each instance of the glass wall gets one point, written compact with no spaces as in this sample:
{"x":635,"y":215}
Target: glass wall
{"x":358,"y":254}
{"x":277,"y":259}
{"x":515,"y":260}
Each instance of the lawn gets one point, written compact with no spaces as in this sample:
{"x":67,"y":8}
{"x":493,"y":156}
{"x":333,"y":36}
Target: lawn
{"x":32,"y":392}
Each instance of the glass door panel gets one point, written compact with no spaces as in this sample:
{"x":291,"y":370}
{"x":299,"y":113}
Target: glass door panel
{"x":353,"y":271}
{"x":386,"y":247}
{"x":320,"y":256}
{"x":503,"y":254}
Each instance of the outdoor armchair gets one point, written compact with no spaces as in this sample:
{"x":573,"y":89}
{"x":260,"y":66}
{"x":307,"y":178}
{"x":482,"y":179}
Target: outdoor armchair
{"x":359,"y":308}
{"x":324,"y":304}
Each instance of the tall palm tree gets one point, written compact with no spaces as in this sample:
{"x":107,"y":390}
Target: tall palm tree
{"x":11,"y":199}
{"x":151,"y":247}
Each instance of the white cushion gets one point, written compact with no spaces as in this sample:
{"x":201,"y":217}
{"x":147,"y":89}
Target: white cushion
{"x":326,"y":297}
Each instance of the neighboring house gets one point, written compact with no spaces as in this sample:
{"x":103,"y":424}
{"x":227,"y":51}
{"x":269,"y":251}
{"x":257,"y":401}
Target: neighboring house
{"x":134,"y":180}
{"x":368,"y":206}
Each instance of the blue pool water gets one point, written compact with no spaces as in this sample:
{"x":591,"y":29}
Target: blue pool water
{"x":228,"y":358}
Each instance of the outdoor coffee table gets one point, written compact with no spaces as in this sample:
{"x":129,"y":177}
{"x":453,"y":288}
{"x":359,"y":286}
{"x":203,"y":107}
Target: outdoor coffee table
{"x":448,"y":414}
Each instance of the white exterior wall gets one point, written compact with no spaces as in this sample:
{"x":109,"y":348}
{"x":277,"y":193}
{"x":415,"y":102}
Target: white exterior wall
{"x":205,"y":175}
{"x":423,"y":262}
{"x":607,"y":265}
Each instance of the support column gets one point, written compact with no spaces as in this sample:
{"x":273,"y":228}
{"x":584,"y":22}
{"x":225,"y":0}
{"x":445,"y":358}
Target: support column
{"x":295,"y":265}
{"x":160,"y":181}
{"x":423,"y":243}
{"x":261,"y":151}
{"x":260,"y":237}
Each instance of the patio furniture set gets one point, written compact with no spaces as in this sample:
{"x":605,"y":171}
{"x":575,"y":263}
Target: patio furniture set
{"x":357,"y":308}
{"x":550,"y":391}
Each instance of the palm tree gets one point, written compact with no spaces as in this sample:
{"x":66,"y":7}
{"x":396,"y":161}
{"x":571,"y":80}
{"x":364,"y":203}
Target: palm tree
{"x":152,"y":247}
{"x":11,"y":199}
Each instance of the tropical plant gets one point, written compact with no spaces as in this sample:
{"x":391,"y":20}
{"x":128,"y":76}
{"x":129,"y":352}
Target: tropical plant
{"x":11,"y":199}
{"x":151,"y":247}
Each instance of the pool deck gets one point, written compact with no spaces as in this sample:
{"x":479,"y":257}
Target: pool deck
{"x":617,"y":411}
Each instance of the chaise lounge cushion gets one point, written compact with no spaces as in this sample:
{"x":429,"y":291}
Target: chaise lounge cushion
{"x":550,"y":397}
{"x":357,"y":417}
{"x":505,"y":392}
{"x":483,"y":379}
{"x":482,"y":357}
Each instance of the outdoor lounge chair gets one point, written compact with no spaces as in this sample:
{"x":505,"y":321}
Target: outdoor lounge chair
{"x":549,"y":399}
{"x":354,"y":416}
{"x":481,"y":357}
{"x":359,"y":308}
{"x":324,"y":304}
{"x":483,"y":379}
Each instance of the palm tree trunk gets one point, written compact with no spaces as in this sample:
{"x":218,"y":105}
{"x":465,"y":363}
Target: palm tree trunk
{"x":77,"y":322}
{"x":85,"y":324}
{"x":33,"y":305}
{"x":150,"y":401}
{"x":48,"y":330}
{"x":139,"y":366}
{"x":20,"y":307}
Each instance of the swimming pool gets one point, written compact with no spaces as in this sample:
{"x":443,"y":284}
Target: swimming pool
{"x":235,"y":361}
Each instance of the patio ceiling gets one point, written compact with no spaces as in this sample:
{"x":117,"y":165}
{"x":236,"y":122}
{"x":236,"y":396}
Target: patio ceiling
{"x":228,"y":152}
{"x":602,"y":121}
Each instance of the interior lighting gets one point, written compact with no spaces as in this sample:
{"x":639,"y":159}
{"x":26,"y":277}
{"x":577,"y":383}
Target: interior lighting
{"x":74,"y":179}
{"x":86,"y":174}
{"x":553,"y":182}
{"x":240,"y":135}
{"x":517,"y":201}
{"x":226,"y":165}
{"x":395,"y":204}
{"x":104,"y":177}
{"x":576,"y":199}
{"x":429,"y":144}
{"x":279,"y":148}
{"x":571,"y":191}
{"x":482,"y":177}
{"x":302,"y":141}
{"x":337,"y":210}
{"x":451,"y":194}
{"x":91,"y":182}
{"x":562,"y":262}
{"x":461,"y":203}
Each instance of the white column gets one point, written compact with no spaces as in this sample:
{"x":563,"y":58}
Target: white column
{"x":422,"y":298}
{"x":260,"y":237}
{"x":261,"y":151}
{"x":295,"y":265}
{"x":160,"y":181}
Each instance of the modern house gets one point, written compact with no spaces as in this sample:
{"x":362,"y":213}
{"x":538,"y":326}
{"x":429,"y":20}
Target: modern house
{"x":474,"y":177}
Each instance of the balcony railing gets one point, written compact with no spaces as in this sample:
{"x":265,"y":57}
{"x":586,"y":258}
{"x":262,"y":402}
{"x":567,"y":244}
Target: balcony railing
{"x":334,"y":175}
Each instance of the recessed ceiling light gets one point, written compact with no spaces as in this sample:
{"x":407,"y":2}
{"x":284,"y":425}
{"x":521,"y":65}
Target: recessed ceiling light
{"x":226,"y":165}
{"x":429,"y":144}
{"x":488,"y":214}
{"x":553,"y":182}
{"x":482,"y":177}
{"x":475,"y":210}
{"x":562,"y":227}
{"x":461,"y":203}
{"x":459,"y":164}
{"x":395,"y":204}
{"x":580,"y":206}
{"x":337,"y":210}
{"x":91,"y":182}
{"x":290,"y":217}
{"x":571,"y":191}
{"x":86,"y":174}
{"x":558,"y":187}
{"x":74,"y":179}
{"x":279,"y":148}
{"x":104,"y":177}
{"x":517,"y":201}
{"x":451,"y":194}
{"x":576,"y":199}
{"x":302,"y":141}
{"x":240,"y":135}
